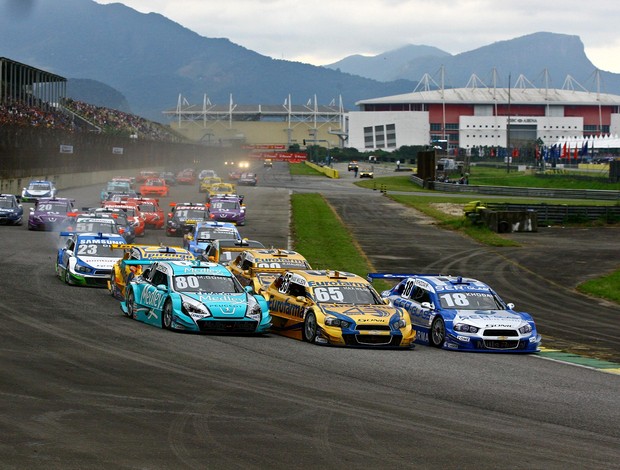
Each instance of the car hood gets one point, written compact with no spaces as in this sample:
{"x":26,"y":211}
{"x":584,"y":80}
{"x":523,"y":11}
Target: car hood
{"x":362,"y":314}
{"x":222,"y":306}
{"x":489,"y":318}
{"x":37,"y":192}
{"x":98,"y":262}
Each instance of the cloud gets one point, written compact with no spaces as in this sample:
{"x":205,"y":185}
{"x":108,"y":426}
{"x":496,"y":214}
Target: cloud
{"x":325,"y":31}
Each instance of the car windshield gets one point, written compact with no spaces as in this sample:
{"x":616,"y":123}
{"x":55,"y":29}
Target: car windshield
{"x":219,"y":233}
{"x":207,"y":284}
{"x":225,"y":205}
{"x":101,"y":226}
{"x":192,"y":214}
{"x":53,"y":206}
{"x":346,"y":294}
{"x":93,"y":249}
{"x":6,"y":203}
{"x":39,"y":186}
{"x":469,"y":301}
{"x":118,"y":186}
{"x":148,"y":208}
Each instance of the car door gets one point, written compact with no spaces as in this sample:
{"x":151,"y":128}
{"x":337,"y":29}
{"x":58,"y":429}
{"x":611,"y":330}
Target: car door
{"x":152,"y":298}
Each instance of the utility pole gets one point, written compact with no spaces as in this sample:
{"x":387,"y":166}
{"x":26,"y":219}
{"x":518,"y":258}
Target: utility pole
{"x":508,"y":151}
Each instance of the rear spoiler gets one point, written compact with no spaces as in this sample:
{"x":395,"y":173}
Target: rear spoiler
{"x":394,"y":276}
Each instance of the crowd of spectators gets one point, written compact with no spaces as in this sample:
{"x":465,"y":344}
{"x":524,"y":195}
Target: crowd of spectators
{"x":114,"y":121}
{"x":18,"y":113}
{"x":106,"y":120}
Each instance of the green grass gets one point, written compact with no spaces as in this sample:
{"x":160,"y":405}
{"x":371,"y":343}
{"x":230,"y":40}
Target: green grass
{"x":322,"y":238}
{"x":606,"y":287}
{"x":303,"y":169}
{"x":327,"y":244}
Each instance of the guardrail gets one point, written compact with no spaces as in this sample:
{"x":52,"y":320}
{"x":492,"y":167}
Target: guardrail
{"x":562,"y":213}
{"x":590,"y":194}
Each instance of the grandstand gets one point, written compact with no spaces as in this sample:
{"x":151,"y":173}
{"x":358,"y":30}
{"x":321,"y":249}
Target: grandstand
{"x":277,"y":125}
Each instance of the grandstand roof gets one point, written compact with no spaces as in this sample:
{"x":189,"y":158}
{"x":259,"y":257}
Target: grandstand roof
{"x":255,"y":109}
{"x":484,"y":95}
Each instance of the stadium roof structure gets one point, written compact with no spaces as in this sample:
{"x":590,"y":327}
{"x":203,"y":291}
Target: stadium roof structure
{"x":310,"y":112}
{"x":524,"y":92}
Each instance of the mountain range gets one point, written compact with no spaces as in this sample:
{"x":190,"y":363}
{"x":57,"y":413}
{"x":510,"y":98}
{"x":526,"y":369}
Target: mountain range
{"x":117,"y":57}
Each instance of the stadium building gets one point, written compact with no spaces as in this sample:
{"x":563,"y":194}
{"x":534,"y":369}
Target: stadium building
{"x":480,"y":117}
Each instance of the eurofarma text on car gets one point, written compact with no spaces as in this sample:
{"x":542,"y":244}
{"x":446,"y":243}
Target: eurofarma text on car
{"x":454,"y":312}
{"x":86,"y":259}
{"x":194,"y":296}
{"x":338,"y":308}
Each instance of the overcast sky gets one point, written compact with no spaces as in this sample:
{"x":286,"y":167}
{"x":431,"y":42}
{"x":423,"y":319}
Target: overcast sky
{"x":320,"y":32}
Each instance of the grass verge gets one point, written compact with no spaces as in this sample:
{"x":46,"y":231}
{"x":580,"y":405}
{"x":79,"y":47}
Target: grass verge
{"x":324,"y":240}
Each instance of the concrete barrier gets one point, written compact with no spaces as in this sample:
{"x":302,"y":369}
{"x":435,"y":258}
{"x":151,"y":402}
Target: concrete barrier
{"x":327,"y":171}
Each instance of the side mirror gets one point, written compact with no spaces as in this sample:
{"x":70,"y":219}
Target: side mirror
{"x":248,"y":289}
{"x":428,"y":305}
{"x":162,"y":287}
{"x":510,"y":305}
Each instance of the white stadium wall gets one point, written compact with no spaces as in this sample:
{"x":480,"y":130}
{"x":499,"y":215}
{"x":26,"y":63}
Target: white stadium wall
{"x":410,"y":128}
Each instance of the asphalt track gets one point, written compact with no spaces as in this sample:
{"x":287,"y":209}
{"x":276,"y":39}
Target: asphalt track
{"x":82,"y":386}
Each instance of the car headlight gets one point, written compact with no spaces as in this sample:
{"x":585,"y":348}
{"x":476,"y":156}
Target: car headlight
{"x":527,"y":328}
{"x":192,"y":307}
{"x":463,"y":327}
{"x":333,"y":321}
{"x":253,"y":311}
{"x":82,"y":269}
{"x":400,"y":323}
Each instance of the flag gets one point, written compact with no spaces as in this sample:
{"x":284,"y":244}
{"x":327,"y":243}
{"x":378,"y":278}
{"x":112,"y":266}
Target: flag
{"x":515,"y":152}
{"x":575,"y":153}
{"x":537,"y":152}
{"x":584,"y":149}
{"x":564,"y":153}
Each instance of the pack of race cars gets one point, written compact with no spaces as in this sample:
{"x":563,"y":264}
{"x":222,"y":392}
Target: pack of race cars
{"x":219,"y":282}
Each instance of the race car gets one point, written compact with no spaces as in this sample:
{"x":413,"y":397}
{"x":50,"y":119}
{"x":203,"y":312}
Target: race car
{"x":226,"y":209}
{"x":459,"y":313}
{"x":221,"y":189}
{"x":86,"y":258}
{"x":207,"y":174}
{"x":146,"y":174}
{"x":116,"y":187}
{"x":154,"y":187}
{"x":122,"y":273}
{"x":37,"y":189}
{"x":337,"y":308}
{"x":194,"y":296}
{"x":366,"y":172}
{"x":125,"y":226}
{"x":259,"y":267}
{"x":247,"y":179}
{"x":199,"y":236}
{"x":183,"y":215}
{"x":187,"y":176}
{"x":11,"y":211}
{"x":49,"y":213}
{"x":223,"y":251}
{"x":149,"y":207}
{"x":207,"y":182}
{"x":91,"y":222}
{"x":133,"y":214}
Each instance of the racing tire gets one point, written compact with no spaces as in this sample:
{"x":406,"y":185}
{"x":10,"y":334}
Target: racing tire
{"x":130,"y":304}
{"x":112,"y":283}
{"x":67,"y":277}
{"x":437,"y":335}
{"x":310,"y":327}
{"x":166,"y":316}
